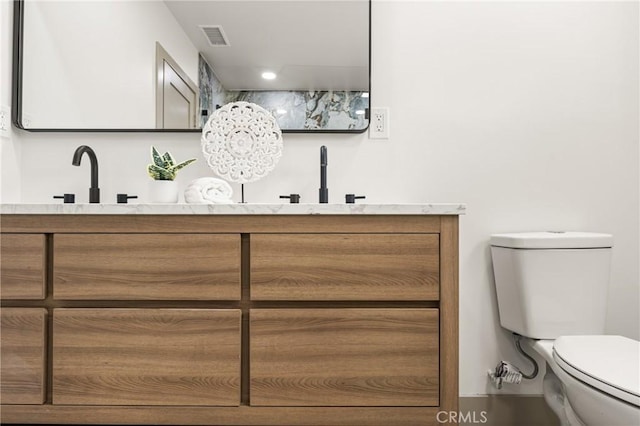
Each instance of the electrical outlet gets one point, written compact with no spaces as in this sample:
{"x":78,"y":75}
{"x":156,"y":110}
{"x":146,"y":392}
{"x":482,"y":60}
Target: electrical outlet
{"x":5,"y":121}
{"x":379,"y":126}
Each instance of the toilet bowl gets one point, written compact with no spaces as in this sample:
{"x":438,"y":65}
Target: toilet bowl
{"x":592,"y":380}
{"x":552,"y":289}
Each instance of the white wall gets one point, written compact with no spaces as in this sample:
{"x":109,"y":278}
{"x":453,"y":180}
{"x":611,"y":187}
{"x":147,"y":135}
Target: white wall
{"x":112,"y":83}
{"x":528,"y":112}
{"x":10,"y":147}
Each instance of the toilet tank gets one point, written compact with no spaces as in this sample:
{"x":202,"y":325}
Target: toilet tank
{"x":551,"y":284}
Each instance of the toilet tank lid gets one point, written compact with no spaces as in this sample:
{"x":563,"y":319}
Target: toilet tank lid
{"x":552,"y":240}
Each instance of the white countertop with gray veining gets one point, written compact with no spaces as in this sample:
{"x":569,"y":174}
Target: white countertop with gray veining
{"x":237,"y":209}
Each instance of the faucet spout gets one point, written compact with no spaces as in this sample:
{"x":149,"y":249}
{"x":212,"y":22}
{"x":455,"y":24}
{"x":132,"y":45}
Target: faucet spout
{"x":94,"y":190}
{"x":324,"y":191}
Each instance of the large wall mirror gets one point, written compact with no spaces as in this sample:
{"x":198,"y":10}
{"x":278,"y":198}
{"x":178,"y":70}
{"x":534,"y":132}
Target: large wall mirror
{"x":166,"y":65}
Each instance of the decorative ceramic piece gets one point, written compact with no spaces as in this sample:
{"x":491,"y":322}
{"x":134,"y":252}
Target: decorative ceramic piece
{"x":208,"y":190}
{"x":163,"y":191}
{"x":242,"y":142}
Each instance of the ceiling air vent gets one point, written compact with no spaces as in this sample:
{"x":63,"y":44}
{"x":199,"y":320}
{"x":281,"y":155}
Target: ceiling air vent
{"x":215,"y":35}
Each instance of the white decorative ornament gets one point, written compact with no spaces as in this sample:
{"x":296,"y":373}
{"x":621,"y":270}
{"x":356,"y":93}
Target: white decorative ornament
{"x":242,"y":142}
{"x":208,"y":190}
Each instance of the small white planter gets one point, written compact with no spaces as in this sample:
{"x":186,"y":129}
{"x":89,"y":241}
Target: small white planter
{"x":163,"y":191}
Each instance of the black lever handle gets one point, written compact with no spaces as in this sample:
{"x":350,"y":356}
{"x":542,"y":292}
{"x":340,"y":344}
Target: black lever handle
{"x":68,"y":198}
{"x":293,"y":198}
{"x":124,"y":198}
{"x":351,"y":198}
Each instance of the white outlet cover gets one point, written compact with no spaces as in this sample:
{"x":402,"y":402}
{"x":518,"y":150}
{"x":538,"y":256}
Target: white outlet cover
{"x":379,"y":124}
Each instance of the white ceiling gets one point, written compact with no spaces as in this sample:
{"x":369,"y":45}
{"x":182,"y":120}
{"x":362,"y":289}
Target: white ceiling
{"x":310,"y":44}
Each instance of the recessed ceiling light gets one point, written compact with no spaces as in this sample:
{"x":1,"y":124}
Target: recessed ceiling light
{"x":364,"y":95}
{"x":360,"y":112}
{"x":268,"y":75}
{"x":281,"y":111}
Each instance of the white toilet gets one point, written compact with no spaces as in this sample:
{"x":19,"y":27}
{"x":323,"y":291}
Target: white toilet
{"x":552,"y":289}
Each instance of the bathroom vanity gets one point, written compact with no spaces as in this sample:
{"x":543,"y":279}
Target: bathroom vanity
{"x":229,"y":314}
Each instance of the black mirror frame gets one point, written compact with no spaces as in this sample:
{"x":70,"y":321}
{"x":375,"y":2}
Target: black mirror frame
{"x":16,"y":89}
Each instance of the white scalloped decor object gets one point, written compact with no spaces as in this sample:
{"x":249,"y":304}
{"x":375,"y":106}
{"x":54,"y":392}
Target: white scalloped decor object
{"x":242,"y":142}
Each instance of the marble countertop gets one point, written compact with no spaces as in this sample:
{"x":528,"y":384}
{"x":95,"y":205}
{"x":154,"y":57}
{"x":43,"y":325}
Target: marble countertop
{"x":237,"y":209}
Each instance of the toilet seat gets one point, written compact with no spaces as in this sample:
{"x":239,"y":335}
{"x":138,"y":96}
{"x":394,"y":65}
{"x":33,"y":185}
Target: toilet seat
{"x":608,"y":363}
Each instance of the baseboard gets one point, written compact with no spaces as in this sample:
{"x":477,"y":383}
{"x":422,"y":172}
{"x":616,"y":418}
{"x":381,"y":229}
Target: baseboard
{"x":505,"y":410}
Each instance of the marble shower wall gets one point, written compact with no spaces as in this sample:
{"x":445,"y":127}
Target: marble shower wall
{"x":211,"y":91}
{"x":294,"y":110}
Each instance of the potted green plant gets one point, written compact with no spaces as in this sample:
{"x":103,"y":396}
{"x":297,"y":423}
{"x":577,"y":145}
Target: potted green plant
{"x":163,"y":170}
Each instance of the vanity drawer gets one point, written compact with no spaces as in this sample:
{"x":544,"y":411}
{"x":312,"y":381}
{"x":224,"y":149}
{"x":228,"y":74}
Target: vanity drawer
{"x":146,"y":266}
{"x":344,"y":357}
{"x":22,"y":260}
{"x":345,"y":267}
{"x":146,"y":357}
{"x":22,"y":350}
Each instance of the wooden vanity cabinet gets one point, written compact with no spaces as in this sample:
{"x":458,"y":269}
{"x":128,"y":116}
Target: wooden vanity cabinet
{"x":230,"y":320}
{"x":22,"y":266}
{"x":22,"y":355}
{"x":344,"y":357}
{"x":339,"y":266}
{"x":146,"y":266}
{"x":146,"y":357}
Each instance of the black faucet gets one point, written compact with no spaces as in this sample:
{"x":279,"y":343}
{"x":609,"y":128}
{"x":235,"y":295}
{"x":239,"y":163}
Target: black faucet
{"x":324,"y":191}
{"x":94,"y":191}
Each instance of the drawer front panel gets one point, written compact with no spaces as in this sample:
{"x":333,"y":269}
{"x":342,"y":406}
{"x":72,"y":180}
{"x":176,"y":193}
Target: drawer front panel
{"x":22,"y":261}
{"x":22,"y":350}
{"x":147,"y":266}
{"x":344,"y":357}
{"x":146,"y":357}
{"x":345,"y":267}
